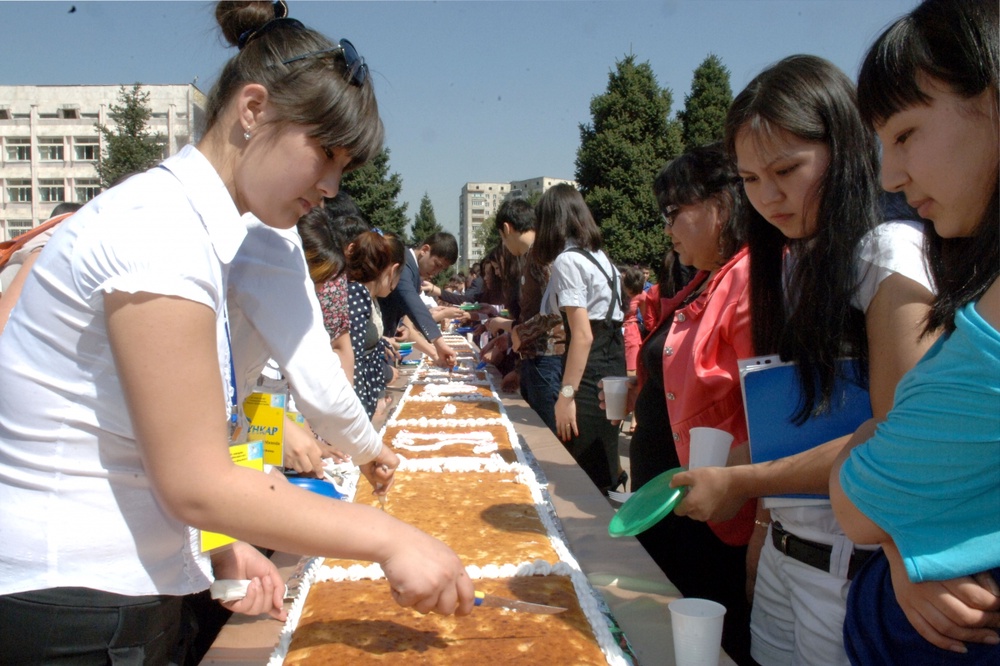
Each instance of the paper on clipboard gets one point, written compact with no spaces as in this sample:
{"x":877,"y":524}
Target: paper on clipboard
{"x":771,"y":398}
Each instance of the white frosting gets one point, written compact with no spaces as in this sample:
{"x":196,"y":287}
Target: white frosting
{"x":449,"y":409}
{"x":465,"y":397}
{"x":481,"y":442}
{"x":424,"y":422}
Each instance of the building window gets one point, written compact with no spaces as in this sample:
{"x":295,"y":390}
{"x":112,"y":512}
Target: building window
{"x":17,"y":227}
{"x":50,"y":149}
{"x":71,"y":113}
{"x":4,"y":113}
{"x":86,"y":189}
{"x":18,"y":191}
{"x":18,"y":149}
{"x":86,"y":148}
{"x":51,"y":191}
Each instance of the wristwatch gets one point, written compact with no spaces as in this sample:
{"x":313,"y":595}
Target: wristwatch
{"x":567,"y":391}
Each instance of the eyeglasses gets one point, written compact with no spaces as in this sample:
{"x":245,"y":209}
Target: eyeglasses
{"x":669,"y":213}
{"x":357,"y":68}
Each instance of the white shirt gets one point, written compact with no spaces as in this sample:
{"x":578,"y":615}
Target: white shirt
{"x":892,"y":247}
{"x":77,"y":506}
{"x":576,"y":282}
{"x":274,"y":312}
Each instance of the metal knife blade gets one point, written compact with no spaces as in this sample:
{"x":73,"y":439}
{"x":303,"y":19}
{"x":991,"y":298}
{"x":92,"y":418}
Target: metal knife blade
{"x":483,"y":599}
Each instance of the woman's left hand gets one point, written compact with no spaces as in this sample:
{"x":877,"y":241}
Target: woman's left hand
{"x":566,"y":419}
{"x":266,"y":592}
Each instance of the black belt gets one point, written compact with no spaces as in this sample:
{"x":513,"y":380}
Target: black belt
{"x":812,"y":553}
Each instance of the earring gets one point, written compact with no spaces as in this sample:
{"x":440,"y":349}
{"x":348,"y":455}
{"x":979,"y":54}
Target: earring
{"x":246,"y":134}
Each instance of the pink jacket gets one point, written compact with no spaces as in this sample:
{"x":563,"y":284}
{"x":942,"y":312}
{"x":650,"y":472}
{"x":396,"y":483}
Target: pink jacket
{"x":700,"y":375}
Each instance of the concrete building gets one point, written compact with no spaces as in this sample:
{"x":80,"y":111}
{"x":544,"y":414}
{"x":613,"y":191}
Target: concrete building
{"x":479,"y":202}
{"x":49,"y":145}
{"x":526,"y":188}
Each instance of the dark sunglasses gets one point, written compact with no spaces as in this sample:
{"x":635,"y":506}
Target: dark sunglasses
{"x":357,"y":68}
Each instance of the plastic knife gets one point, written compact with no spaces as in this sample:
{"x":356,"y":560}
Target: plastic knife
{"x":483,"y":599}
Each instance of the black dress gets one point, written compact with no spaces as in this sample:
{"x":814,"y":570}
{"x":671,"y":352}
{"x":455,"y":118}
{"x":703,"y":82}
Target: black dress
{"x":687,"y":550}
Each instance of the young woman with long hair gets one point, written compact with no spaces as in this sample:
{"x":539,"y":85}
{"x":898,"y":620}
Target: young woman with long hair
{"x":117,"y":384}
{"x":585,"y":288}
{"x":925,"y":485}
{"x":827,"y":281}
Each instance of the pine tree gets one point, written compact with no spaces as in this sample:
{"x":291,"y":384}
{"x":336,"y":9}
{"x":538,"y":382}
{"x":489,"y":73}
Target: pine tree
{"x":375,"y":191}
{"x":628,"y":141}
{"x":704,"y":115}
{"x":130,"y":147}
{"x":425,"y":223}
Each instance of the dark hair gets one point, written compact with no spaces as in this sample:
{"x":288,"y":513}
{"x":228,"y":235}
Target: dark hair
{"x":956,"y":43}
{"x":633,"y":279}
{"x":813,"y":100}
{"x":563,"y":216}
{"x":442,"y":245}
{"x":342,"y":205}
{"x":324,"y":241}
{"x":371,"y":254}
{"x":324,"y":254}
{"x":518,"y":213}
{"x":699,"y":174}
{"x":65,"y":207}
{"x":311,"y":92}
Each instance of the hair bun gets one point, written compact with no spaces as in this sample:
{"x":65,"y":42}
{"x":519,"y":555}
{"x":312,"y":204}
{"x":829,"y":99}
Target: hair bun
{"x":235,"y":17}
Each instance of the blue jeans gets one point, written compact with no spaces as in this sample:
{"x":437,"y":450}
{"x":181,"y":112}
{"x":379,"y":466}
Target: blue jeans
{"x":540,"y":380}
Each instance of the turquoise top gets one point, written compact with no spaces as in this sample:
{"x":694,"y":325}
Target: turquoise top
{"x":930,"y":477}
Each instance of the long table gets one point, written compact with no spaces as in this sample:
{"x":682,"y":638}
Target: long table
{"x":633,"y":586}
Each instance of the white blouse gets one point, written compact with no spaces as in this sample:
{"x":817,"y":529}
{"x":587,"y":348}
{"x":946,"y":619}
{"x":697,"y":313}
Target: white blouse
{"x":77,"y":506}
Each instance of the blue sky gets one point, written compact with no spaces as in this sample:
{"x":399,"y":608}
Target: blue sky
{"x":469,"y":90}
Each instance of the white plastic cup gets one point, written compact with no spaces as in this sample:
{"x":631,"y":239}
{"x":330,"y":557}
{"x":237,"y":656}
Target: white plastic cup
{"x":709,"y":447}
{"x":697,"y":630}
{"x":615,"y":395}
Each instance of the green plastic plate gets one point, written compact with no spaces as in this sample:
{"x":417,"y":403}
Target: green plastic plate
{"x":647,"y":506}
{"x":469,"y":306}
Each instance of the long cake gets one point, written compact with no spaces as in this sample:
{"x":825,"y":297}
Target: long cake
{"x":492,"y":510}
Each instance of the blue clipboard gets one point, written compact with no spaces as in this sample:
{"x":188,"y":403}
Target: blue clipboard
{"x":772,"y":396}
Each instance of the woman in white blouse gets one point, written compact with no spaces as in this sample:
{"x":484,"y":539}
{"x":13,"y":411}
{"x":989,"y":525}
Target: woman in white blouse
{"x":585,"y":288}
{"x":117,"y":382}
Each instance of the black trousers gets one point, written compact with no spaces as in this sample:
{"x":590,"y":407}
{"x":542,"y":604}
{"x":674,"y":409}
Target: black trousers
{"x":73,"y":625}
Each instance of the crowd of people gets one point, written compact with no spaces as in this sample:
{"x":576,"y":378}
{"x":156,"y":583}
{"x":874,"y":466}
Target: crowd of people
{"x":210,"y":274}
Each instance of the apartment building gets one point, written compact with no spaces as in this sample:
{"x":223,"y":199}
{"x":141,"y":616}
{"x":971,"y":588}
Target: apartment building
{"x":479,"y":202}
{"x":49,"y":143}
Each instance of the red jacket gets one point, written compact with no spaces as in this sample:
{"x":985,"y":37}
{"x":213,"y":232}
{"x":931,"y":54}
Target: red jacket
{"x":700,"y":376}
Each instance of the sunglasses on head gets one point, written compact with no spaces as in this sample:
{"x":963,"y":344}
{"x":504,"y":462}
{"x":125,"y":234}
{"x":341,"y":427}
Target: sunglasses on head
{"x":357,"y":68}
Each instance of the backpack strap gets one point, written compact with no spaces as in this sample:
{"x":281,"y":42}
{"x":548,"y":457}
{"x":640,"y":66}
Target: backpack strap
{"x":613,"y":284}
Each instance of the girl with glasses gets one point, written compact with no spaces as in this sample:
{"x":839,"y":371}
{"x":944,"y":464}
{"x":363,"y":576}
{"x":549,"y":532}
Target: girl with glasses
{"x":117,"y":384}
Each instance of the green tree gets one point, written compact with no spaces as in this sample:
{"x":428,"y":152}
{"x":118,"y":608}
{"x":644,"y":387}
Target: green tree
{"x":376,"y":191}
{"x":130,"y":147}
{"x":425,"y":223}
{"x":630,"y":138}
{"x":704,"y":115}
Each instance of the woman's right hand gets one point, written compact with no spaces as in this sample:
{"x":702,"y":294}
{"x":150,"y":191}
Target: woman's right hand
{"x":426,"y":575}
{"x":711,"y":494}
